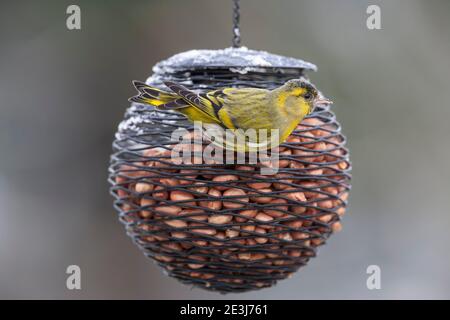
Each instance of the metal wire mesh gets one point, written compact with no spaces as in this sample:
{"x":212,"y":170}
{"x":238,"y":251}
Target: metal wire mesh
{"x":226,"y":227}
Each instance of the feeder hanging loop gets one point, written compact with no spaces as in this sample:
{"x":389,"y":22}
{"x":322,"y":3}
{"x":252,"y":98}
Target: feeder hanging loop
{"x":236,"y":19}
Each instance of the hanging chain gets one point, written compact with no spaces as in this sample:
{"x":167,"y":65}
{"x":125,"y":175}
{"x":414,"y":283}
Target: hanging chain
{"x":236,"y":30}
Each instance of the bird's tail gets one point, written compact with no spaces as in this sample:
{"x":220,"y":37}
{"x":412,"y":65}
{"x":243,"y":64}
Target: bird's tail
{"x":164,"y":100}
{"x":153,"y":96}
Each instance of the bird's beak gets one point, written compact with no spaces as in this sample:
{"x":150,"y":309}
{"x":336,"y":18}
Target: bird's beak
{"x":322,"y":101}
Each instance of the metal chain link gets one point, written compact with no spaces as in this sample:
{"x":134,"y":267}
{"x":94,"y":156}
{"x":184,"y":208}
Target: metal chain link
{"x":236,"y":19}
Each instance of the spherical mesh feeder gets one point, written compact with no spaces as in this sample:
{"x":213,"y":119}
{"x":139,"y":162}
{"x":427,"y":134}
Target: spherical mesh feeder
{"x":227,"y":227}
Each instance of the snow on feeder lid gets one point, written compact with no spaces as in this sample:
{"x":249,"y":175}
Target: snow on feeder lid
{"x":241,"y":57}
{"x":225,"y":227}
{"x":227,"y":67}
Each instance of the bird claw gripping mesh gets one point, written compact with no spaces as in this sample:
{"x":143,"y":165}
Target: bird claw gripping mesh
{"x":221,"y":227}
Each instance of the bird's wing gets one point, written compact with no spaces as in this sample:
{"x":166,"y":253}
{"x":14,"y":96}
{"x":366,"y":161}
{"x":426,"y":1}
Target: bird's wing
{"x":193,"y":98}
{"x":233,"y":107}
{"x":174,"y":104}
{"x":245,"y":108}
{"x":151,"y":95}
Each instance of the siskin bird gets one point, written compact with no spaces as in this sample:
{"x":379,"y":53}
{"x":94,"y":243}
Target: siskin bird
{"x":240,"y":109}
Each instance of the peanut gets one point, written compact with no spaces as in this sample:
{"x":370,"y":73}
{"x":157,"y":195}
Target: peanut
{"x":203,"y":230}
{"x":147,"y":202}
{"x":170,"y":210}
{"x":258,"y":197}
{"x":186,"y":176}
{"x":142,"y":187}
{"x":225,"y":179}
{"x":194,"y":214}
{"x":283,"y":163}
{"x":245,"y":256}
{"x":231,"y":233}
{"x":220,"y":219}
{"x":246,"y":214}
{"x":336,"y":227}
{"x":169,"y":182}
{"x":261,"y":240}
{"x":177,"y":234}
{"x":199,"y":187}
{"x":159,"y":193}
{"x":235,"y":192}
{"x":277,"y":210}
{"x":176,"y":223}
{"x":259,"y":185}
{"x":180,"y":195}
{"x":284,"y":181}
{"x":213,"y":205}
{"x":250,"y":227}
{"x":263,"y":217}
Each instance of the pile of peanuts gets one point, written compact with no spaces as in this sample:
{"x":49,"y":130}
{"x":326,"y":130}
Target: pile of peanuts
{"x":227,"y":227}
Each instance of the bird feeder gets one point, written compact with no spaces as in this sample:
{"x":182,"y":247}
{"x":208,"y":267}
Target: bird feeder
{"x":226,"y":227}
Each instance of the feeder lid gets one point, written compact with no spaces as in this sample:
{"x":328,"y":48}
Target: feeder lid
{"x":228,"y":58}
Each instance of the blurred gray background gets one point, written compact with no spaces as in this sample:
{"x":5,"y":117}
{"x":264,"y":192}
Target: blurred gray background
{"x":63,"y":93}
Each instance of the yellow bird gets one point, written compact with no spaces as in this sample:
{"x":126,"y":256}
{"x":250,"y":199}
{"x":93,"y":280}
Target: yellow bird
{"x":239,"y":109}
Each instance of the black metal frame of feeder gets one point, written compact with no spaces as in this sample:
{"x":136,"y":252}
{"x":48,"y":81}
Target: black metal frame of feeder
{"x":145,"y":128}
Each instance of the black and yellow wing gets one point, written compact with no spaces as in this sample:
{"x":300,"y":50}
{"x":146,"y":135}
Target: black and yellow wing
{"x":164,"y":100}
{"x":153,"y":96}
{"x":242,"y":108}
{"x":232,"y":107}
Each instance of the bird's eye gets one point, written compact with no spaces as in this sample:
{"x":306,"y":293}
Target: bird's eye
{"x":307,"y":96}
